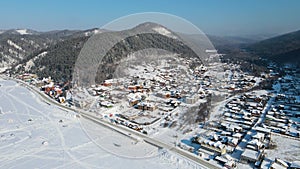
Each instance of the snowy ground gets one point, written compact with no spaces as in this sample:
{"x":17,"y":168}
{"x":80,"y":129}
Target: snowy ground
{"x":286,"y":149}
{"x":34,"y":134}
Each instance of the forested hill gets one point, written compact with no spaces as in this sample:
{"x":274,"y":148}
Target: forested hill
{"x":282,"y":49}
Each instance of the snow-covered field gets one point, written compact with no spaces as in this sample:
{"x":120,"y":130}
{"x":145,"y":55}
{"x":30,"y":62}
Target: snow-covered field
{"x":22,"y":31}
{"x":34,"y":134}
{"x":286,"y":149}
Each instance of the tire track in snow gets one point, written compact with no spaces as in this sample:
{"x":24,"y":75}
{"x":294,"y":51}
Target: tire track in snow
{"x":63,"y":144}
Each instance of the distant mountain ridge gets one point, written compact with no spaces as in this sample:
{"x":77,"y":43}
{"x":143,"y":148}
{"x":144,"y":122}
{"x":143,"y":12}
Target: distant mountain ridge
{"x":20,"y":32}
{"x":54,"y":53}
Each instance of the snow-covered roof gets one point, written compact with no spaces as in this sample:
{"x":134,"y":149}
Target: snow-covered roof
{"x":237,"y":135}
{"x":258,"y":135}
{"x":104,"y":88}
{"x":255,"y":142}
{"x":295,"y":164}
{"x":252,"y":154}
{"x":277,"y":166}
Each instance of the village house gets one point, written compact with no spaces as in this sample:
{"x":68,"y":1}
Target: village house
{"x":79,"y":100}
{"x":164,"y":94}
{"x":27,"y":77}
{"x":37,"y":83}
{"x":216,"y":147}
{"x":233,"y":142}
{"x":133,"y":102}
{"x":191,"y":99}
{"x":258,"y":136}
{"x":238,"y":135}
{"x":231,"y":127}
{"x":262,"y":130}
{"x":279,"y":164}
{"x":295,"y":165}
{"x":106,"y":104}
{"x":255,"y":144}
{"x":146,"y":106}
{"x":110,"y":82}
{"x":251,"y":156}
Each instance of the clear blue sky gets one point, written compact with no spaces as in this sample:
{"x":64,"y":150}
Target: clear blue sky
{"x":220,"y":17}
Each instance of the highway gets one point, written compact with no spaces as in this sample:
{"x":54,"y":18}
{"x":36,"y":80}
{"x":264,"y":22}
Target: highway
{"x":121,"y":129}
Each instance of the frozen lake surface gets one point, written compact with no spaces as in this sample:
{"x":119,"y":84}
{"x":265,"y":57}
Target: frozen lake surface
{"x":34,"y":134}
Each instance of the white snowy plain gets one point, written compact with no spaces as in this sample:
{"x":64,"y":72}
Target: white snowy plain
{"x":34,"y":134}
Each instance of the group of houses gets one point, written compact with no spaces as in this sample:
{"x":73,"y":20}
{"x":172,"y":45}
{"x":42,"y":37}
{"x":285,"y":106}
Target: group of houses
{"x":57,"y":91}
{"x":238,"y":121}
{"x":249,"y":121}
{"x":152,"y":92}
{"x":283,"y":117}
{"x":236,"y":80}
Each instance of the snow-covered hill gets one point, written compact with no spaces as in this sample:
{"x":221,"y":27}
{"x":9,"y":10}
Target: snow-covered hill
{"x":16,"y":47}
{"x":24,"y":46}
